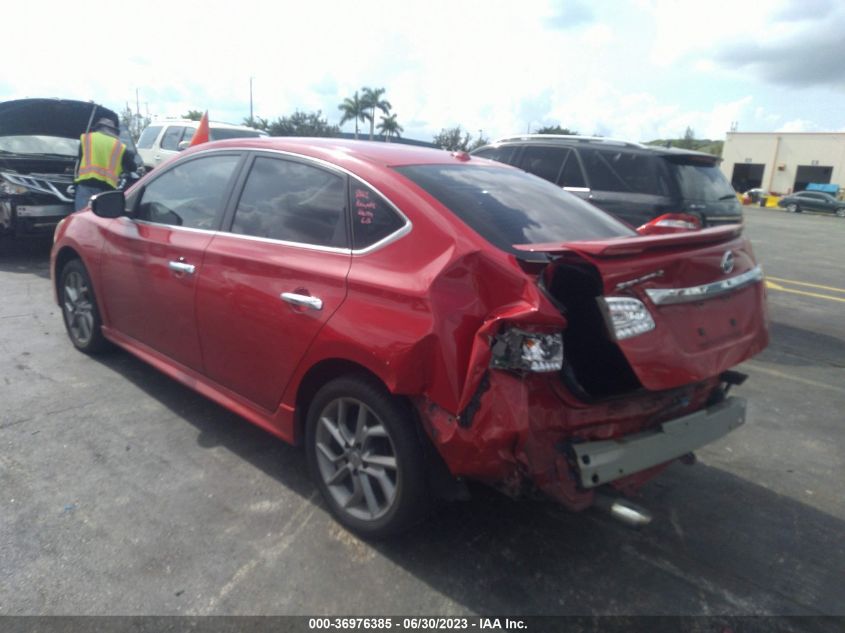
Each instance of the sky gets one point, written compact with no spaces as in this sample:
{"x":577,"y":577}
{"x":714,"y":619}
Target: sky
{"x":630,"y":69}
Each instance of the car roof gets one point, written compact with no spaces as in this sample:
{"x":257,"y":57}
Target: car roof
{"x":597,"y":141}
{"x":348,"y":153}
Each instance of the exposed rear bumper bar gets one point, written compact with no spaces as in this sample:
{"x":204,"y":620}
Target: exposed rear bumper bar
{"x":606,"y":460}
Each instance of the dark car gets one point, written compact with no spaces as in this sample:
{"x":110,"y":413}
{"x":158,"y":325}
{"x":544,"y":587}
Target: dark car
{"x":415,"y":318}
{"x":39,"y":145}
{"x":636,"y":183}
{"x":813,"y":201}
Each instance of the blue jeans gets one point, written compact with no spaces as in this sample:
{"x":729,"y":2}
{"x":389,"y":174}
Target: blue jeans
{"x":83,"y":195}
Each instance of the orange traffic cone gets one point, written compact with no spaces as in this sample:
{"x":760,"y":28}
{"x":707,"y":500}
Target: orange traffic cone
{"x":201,"y":135}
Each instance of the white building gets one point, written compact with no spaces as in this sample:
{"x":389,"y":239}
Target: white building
{"x":783,"y":162}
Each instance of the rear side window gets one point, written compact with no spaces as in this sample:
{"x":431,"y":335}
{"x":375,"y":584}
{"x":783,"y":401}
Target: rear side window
{"x":189,"y":194}
{"x":503,"y":154}
{"x":508,"y":207}
{"x":148,"y":137}
{"x":545,"y":162}
{"x":373,"y":219}
{"x":624,"y":171}
{"x":292,"y":202}
{"x":572,"y":175}
{"x":701,"y":181}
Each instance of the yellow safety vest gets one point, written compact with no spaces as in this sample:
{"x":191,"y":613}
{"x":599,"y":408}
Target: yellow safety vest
{"x":102,"y":157}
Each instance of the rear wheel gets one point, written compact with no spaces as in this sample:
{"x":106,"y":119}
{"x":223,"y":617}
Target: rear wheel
{"x":79,"y":308}
{"x":366,"y":458}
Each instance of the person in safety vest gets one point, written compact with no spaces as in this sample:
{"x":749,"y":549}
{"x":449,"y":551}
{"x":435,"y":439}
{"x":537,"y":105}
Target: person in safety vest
{"x":102,"y":158}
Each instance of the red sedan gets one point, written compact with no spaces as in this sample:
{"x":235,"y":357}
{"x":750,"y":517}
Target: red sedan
{"x":416,"y":318}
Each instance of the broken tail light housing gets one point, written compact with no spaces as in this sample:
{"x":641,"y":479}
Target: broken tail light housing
{"x":670,"y":223}
{"x":515,"y":349}
{"x":626,"y":317}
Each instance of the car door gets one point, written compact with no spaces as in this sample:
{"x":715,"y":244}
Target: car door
{"x":151,"y":260}
{"x":271,"y":281}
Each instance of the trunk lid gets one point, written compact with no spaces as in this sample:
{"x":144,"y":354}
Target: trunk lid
{"x":703,"y":289}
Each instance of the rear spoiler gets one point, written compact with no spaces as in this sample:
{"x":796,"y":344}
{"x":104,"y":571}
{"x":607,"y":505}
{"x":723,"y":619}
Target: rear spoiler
{"x":622,"y":246}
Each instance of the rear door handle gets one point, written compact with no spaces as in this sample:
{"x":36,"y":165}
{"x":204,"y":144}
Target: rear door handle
{"x":182,"y":267}
{"x":302,"y":300}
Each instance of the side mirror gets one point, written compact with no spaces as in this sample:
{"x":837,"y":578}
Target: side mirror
{"x":183,"y":145}
{"x":109,"y":204}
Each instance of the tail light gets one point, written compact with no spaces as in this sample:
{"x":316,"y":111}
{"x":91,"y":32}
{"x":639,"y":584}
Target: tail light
{"x":527,"y":351}
{"x":626,"y":317}
{"x":670,"y":223}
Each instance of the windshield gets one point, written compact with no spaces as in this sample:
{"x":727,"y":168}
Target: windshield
{"x":702,"y":181}
{"x":31,"y":144}
{"x":508,"y":206}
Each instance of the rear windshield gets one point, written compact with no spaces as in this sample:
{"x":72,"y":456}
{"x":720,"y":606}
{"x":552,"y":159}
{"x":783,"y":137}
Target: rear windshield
{"x":508,"y":206}
{"x":701,"y":181}
{"x":220,"y":133}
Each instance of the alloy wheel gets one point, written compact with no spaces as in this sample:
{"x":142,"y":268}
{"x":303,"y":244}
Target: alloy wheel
{"x":356,"y":459}
{"x":78,"y":306}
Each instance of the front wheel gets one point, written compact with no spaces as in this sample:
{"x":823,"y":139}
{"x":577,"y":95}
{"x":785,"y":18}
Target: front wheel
{"x":840,"y":212}
{"x":792,"y":207}
{"x":365,"y":456}
{"x":79,"y":308}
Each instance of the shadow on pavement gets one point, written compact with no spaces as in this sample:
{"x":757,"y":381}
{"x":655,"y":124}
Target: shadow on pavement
{"x":795,"y":346}
{"x":719,"y":544}
{"x":30,"y":256}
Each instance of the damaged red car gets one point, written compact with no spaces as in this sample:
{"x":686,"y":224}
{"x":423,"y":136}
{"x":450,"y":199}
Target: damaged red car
{"x":417,"y":318}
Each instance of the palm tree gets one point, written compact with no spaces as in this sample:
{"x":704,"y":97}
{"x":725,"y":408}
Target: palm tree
{"x":354,"y":109}
{"x":372,"y":100}
{"x":389,"y":127}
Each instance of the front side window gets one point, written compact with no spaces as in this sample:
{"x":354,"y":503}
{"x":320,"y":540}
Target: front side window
{"x":191,"y":194}
{"x":148,"y":137}
{"x":508,"y":207}
{"x":172,"y":136}
{"x":503,"y":153}
{"x":293,"y":202}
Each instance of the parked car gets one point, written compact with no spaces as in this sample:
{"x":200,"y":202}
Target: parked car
{"x":164,"y":139}
{"x":813,"y":201}
{"x":417,"y":318}
{"x":636,"y":183}
{"x":39,"y":145}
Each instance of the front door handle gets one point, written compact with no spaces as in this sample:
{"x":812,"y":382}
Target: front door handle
{"x":302,"y":300}
{"x":182,"y":267}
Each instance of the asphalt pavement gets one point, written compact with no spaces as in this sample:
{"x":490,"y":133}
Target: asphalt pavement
{"x":122,"y":492}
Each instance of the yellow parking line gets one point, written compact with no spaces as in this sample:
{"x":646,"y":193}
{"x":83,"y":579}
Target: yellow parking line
{"x":804,"y":283}
{"x":773,"y":286}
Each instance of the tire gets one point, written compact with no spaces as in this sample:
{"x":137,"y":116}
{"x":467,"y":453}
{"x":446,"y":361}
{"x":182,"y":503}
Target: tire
{"x":793,"y":208}
{"x":840,"y":212}
{"x":366,"y":458}
{"x":79,"y":309}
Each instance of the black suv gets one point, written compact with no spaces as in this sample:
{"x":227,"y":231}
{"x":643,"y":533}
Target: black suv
{"x":636,"y":183}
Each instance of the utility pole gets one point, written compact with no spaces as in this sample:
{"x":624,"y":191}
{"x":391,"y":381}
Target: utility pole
{"x":251,"y":120}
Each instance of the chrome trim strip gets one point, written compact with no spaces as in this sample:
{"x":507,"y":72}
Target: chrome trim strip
{"x":669,"y":296}
{"x":270,"y":240}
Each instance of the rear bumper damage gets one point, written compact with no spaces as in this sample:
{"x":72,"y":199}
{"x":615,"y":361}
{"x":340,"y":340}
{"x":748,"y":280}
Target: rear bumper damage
{"x":528,"y":433}
{"x":608,"y":460}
